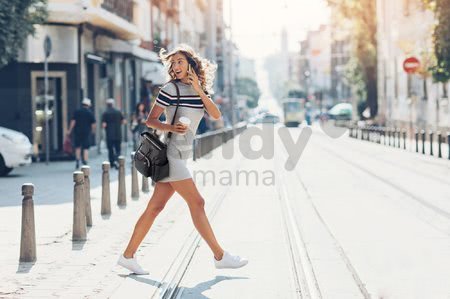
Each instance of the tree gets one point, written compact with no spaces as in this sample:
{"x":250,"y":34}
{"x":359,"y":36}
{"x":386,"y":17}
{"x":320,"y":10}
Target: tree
{"x":441,"y":68}
{"x":248,"y":87}
{"x":361,"y":71}
{"x":17,"y":20}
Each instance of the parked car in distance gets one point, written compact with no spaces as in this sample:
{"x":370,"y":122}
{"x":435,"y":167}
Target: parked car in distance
{"x":265,"y":117}
{"x":341,"y":111}
{"x":270,"y":118}
{"x":15,"y":150}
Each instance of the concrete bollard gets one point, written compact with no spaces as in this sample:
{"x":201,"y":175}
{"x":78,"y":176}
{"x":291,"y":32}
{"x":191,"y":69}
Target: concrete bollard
{"x":448,"y":144}
{"x":431,"y":142}
{"x":79,"y":208}
{"x":134,"y":179}
{"x":416,"y":133}
{"x":404,"y":138}
{"x":106,"y":195}
{"x":121,"y":194}
{"x":87,"y":194}
{"x":145,"y":187}
{"x":439,"y":136}
{"x":395,"y":133}
{"x":28,"y":234}
{"x":389,"y":136}
{"x":422,"y":132}
{"x":395,"y":136}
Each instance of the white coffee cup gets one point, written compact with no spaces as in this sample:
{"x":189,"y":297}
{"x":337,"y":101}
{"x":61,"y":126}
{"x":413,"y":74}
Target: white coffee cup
{"x":184,"y":121}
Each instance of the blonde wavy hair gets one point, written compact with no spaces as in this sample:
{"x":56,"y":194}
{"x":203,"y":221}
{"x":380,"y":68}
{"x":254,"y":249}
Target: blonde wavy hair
{"x":204,"y":68}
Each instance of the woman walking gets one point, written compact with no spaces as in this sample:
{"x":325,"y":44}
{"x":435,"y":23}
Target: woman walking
{"x":194,"y":77}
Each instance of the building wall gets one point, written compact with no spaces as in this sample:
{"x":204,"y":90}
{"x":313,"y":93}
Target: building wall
{"x":405,"y":30}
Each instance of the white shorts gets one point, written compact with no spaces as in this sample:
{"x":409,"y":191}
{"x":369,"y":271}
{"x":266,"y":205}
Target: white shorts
{"x":177,"y":170}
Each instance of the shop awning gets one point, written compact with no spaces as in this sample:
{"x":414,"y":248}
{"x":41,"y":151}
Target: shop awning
{"x":155,"y":72}
{"x":108,"y":44}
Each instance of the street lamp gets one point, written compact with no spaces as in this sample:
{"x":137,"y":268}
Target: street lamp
{"x":230,"y":73}
{"x":47,"y":50}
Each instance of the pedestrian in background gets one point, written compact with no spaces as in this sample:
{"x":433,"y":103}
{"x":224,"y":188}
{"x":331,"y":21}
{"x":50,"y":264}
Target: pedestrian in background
{"x":112,"y":121}
{"x":82,"y":125}
{"x":138,"y":122}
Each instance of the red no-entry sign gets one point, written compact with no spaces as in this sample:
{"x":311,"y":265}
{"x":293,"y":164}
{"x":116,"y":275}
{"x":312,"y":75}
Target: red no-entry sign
{"x":411,"y":64}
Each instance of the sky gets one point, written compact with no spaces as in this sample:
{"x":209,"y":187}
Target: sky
{"x":257,"y":24}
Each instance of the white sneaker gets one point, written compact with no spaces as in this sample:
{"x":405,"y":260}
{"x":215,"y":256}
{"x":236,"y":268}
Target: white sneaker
{"x":131,"y":264}
{"x":230,"y":261}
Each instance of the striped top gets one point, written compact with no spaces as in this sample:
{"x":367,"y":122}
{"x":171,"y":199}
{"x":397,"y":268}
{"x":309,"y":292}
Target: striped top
{"x":188,"y":97}
{"x":191,"y":106}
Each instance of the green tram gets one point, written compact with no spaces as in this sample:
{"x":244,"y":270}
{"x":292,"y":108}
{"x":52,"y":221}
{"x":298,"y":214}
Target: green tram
{"x":293,"y":111}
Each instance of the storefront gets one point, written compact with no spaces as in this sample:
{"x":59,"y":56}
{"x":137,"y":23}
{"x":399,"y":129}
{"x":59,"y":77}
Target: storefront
{"x":22,"y":88}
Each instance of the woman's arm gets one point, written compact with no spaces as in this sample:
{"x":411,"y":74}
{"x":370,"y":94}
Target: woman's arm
{"x":154,"y":122}
{"x":210,"y":106}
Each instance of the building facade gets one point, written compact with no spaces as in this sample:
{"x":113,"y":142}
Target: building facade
{"x":100,"y":49}
{"x":315,"y":65}
{"x":408,"y":100}
{"x":341,"y":49}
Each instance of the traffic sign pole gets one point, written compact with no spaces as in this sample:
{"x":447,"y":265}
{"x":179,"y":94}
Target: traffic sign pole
{"x":411,"y":65}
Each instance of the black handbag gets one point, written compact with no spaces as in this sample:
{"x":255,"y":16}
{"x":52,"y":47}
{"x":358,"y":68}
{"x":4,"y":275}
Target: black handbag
{"x":150,"y":158}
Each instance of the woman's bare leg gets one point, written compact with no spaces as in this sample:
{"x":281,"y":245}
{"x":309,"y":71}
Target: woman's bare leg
{"x":188,"y":190}
{"x":162,"y":193}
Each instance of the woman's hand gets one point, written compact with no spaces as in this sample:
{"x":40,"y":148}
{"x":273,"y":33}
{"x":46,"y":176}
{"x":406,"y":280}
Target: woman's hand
{"x":193,"y":79}
{"x":179,"y":128}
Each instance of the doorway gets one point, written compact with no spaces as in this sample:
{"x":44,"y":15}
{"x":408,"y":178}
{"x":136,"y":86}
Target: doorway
{"x":57,"y":112}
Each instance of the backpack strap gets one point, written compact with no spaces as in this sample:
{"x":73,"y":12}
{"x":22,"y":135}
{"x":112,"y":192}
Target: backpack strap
{"x":176,"y":109}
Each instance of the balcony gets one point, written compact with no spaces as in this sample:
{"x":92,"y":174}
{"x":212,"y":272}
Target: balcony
{"x":121,"y":8}
{"x":115,"y":16}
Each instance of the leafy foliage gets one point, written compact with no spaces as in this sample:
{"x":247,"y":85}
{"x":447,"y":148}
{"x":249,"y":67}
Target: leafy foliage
{"x":441,"y":69}
{"x":361,"y":70}
{"x":17,"y":20}
{"x":248,"y":87}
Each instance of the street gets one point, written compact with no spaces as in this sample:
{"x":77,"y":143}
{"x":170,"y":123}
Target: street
{"x":352,"y":220}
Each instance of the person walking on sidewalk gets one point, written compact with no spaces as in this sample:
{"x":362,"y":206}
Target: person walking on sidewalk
{"x":83,"y":125}
{"x":138,"y":123}
{"x":112,"y":121}
{"x":194,"y":77}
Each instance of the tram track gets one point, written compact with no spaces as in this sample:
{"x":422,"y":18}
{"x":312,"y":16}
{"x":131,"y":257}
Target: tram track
{"x":398,"y":165}
{"x":423,"y":202}
{"x":170,"y":288}
{"x":307,"y":274}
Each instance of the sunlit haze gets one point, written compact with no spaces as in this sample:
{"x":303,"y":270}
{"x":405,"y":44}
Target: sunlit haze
{"x":257,"y":25}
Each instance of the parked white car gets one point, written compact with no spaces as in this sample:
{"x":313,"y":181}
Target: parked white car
{"x":15,"y":150}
